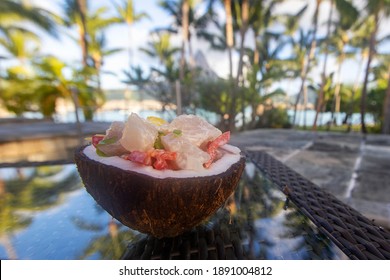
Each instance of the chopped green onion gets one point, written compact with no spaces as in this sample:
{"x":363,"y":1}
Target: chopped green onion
{"x":177,"y":132}
{"x":100,"y":153}
{"x":158,"y":144}
{"x":108,"y":141}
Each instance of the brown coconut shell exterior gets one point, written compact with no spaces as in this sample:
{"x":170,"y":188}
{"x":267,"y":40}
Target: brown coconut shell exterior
{"x":159,"y":207}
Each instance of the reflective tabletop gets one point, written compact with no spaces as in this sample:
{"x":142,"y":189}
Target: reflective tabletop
{"x":45,"y":213}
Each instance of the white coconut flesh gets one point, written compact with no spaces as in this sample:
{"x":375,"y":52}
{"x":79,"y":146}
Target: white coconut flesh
{"x":230,"y":156}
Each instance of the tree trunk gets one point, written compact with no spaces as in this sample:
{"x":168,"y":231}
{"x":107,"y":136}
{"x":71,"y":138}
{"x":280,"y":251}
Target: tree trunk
{"x":354,"y":90}
{"x":303,"y":75}
{"x":336,"y":96}
{"x":192,"y":67}
{"x":310,"y":58}
{"x":323,"y":76}
{"x":185,"y":10}
{"x":129,"y":49}
{"x":371,"y":53}
{"x":253,"y":92}
{"x":97,"y":62}
{"x":230,"y":43}
{"x":386,"y":109}
{"x":229,"y":34}
{"x":304,"y":107}
{"x":82,"y":5}
{"x":243,"y":30}
{"x":256,"y":53}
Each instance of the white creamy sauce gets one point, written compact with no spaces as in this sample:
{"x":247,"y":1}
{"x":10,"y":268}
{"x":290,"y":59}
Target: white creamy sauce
{"x":231,"y":156}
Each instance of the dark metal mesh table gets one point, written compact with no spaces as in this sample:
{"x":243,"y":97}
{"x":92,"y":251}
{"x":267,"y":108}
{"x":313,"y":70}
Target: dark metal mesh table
{"x":274,"y":213}
{"x":356,"y":235}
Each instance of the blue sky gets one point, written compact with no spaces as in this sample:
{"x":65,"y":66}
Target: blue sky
{"x":68,"y":50}
{"x":117,"y":36}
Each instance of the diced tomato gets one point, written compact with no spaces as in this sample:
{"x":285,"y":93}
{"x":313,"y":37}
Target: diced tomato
{"x":96,"y":139}
{"x":161,"y":157}
{"x":160,"y":164}
{"x":212,"y":147}
{"x":139,"y":157}
{"x":158,"y":158}
{"x":163,"y":154}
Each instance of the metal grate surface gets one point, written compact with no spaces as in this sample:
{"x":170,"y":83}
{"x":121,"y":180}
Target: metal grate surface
{"x":222,"y":241}
{"x":199,"y":243}
{"x":354,"y":234}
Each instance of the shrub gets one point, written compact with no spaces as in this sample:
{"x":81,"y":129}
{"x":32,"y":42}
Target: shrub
{"x":274,"y":118}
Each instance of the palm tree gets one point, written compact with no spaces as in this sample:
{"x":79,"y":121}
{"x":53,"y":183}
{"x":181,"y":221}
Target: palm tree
{"x":161,"y":78}
{"x":53,"y":81}
{"x":127,"y":14}
{"x":20,"y":44}
{"x":375,"y":9}
{"x":75,"y":15}
{"x":359,"y":44}
{"x":339,"y":41}
{"x":14,"y":35}
{"x":242,"y":16}
{"x":97,"y":47}
{"x":296,"y":64}
{"x":309,"y":58}
{"x":160,"y":47}
{"x":378,"y":97}
{"x":185,"y":8}
{"x":265,"y":57}
{"x":229,"y":34}
{"x":14,"y":13}
{"x":18,"y":92}
{"x":348,"y":15}
{"x":269,"y":69}
{"x":188,"y":20}
{"x":386,"y":108}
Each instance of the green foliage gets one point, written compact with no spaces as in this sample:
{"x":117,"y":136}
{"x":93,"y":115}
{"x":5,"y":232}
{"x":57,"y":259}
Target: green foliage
{"x":349,"y":13}
{"x":18,"y":94}
{"x":37,"y":83}
{"x":349,"y":99}
{"x":15,"y":14}
{"x":215,"y":96}
{"x":274,"y":118}
{"x":38,"y":87}
{"x":375,"y":99}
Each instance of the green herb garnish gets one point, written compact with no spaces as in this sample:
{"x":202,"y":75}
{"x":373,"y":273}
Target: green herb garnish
{"x":100,"y":153}
{"x":177,"y":132}
{"x":103,"y":143}
{"x":108,"y":141}
{"x":158,"y":144}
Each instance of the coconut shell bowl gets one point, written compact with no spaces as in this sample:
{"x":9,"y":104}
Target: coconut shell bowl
{"x":162,"y":206}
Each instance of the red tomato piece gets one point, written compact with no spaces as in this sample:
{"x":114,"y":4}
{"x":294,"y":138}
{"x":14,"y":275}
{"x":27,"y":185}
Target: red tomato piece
{"x":160,"y":164}
{"x":212,"y":147}
{"x":157,"y":158}
{"x":161,"y":157}
{"x":96,"y":139}
{"x":139,"y":157}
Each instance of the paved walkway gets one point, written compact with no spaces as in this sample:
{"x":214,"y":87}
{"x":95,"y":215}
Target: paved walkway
{"x":354,"y":169}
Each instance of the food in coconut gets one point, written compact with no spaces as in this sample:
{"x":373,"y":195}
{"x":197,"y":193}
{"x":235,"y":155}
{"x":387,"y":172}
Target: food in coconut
{"x":160,"y":178}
